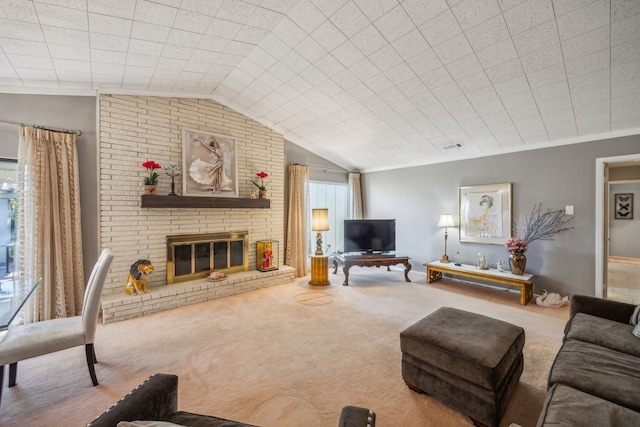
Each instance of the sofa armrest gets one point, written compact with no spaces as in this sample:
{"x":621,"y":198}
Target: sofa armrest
{"x":154,"y":399}
{"x":354,"y":416}
{"x":608,"y":309}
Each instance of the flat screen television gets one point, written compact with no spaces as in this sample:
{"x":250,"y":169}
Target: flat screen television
{"x":369,"y":235}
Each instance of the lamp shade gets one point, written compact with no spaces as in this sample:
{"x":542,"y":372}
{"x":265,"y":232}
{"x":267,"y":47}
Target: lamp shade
{"x":319,"y":219}
{"x":446,"y":220}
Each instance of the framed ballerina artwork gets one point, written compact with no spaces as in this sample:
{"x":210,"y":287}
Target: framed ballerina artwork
{"x":209,"y":164}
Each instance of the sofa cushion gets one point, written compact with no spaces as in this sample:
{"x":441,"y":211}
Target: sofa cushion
{"x":145,"y":423}
{"x":599,"y":371}
{"x":196,"y":420}
{"x":355,"y":416}
{"x":609,"y":309}
{"x":566,"y":406}
{"x":604,"y":332}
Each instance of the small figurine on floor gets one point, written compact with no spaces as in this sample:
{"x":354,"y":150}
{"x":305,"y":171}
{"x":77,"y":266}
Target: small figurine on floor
{"x":551,"y":299}
{"x":139,"y":277}
{"x":500,"y":265}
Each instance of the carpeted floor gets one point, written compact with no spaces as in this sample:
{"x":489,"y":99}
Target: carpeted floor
{"x":291,"y":355}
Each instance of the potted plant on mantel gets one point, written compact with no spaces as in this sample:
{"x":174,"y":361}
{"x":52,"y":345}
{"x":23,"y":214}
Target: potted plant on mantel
{"x":151,"y":180}
{"x":262,"y":190}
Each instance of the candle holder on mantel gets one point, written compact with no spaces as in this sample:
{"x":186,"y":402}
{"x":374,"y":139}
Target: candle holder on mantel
{"x":173,"y":171}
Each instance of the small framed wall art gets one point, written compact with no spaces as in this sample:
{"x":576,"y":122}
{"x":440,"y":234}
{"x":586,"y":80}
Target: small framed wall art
{"x":623,"y":206}
{"x":209,"y":164}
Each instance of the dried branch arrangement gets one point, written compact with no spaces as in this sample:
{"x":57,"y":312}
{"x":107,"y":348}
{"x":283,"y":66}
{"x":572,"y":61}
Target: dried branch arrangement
{"x":543,"y":225}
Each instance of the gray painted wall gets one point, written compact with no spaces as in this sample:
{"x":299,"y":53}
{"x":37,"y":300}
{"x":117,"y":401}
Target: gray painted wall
{"x":555,"y":177}
{"x":63,"y":112}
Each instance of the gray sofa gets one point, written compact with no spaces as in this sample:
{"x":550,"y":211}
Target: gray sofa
{"x":156,"y":399}
{"x":595,"y":378}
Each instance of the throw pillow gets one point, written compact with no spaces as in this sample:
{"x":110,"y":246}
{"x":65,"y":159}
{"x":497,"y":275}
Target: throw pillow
{"x":147,"y":424}
{"x":636,"y":331}
{"x":635,"y":317}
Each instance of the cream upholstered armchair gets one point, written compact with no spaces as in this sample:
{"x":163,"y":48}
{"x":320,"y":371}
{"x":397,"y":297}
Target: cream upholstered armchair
{"x":39,"y":338}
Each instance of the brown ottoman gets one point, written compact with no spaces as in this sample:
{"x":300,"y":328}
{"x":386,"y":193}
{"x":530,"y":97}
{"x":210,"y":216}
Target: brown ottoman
{"x":467,"y":361}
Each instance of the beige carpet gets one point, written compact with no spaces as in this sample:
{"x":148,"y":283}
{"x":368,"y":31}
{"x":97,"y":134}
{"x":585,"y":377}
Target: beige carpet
{"x":291,"y":355}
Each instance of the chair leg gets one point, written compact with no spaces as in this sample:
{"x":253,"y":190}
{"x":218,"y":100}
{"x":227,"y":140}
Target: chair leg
{"x":1,"y":381}
{"x":13,"y":374}
{"x":90,"y":362}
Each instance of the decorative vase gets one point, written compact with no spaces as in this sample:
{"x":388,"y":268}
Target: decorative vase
{"x":262,"y":194}
{"x":149,"y":189}
{"x":517,"y":263}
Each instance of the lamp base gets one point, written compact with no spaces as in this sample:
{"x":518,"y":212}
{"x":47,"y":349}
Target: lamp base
{"x":319,"y":244}
{"x":445,"y":258}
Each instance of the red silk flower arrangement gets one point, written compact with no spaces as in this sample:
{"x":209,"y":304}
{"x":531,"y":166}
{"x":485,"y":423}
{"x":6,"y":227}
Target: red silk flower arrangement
{"x":151,"y":166}
{"x":262,"y":175}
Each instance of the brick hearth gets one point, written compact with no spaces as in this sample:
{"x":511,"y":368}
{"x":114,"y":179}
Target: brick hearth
{"x":120,"y":306}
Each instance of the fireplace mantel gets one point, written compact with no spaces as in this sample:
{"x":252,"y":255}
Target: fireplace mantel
{"x":155,"y":201}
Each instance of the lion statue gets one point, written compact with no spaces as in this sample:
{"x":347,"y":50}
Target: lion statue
{"x":138,"y":277}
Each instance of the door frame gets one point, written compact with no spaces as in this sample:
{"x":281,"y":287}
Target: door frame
{"x":602,"y":217}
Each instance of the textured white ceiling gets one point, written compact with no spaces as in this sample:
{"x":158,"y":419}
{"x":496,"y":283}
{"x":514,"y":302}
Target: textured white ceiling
{"x":367,"y":84}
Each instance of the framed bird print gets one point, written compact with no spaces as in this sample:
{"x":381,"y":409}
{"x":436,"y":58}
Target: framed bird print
{"x":623,"y":206}
{"x":209,"y":164}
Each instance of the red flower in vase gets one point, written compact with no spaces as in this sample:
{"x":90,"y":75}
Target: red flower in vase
{"x":262,"y":175}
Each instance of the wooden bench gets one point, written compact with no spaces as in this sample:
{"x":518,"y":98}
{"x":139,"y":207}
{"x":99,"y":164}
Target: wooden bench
{"x":435,"y":270}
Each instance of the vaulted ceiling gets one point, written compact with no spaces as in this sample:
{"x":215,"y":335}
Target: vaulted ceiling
{"x":367,"y":84}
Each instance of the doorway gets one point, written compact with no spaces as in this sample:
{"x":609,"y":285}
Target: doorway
{"x":618,"y":228}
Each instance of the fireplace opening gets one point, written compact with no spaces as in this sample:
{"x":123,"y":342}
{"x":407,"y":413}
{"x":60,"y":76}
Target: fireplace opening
{"x":193,"y":256}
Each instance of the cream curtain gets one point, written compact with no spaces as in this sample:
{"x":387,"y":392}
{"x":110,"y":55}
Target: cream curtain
{"x":355,"y":196}
{"x":296,"y":249}
{"x":49,"y":241}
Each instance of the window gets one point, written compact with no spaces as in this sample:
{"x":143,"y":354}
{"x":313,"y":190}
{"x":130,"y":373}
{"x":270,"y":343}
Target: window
{"x":335,"y":198}
{"x":8,"y":186}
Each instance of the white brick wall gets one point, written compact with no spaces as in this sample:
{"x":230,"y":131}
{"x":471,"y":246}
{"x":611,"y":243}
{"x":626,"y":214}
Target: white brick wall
{"x":134,"y":129}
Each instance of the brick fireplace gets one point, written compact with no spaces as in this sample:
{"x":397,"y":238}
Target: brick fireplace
{"x":134,"y":129}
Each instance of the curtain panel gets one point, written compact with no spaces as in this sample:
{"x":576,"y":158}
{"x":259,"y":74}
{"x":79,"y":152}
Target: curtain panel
{"x":355,"y":196}
{"x":49,"y":240}
{"x":297,"y":221}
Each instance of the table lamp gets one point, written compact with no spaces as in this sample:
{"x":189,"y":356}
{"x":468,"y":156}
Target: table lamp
{"x":446,"y":220}
{"x":319,"y":223}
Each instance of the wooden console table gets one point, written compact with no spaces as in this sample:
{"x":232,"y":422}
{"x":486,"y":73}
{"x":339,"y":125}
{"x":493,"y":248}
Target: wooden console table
{"x":524,"y":282}
{"x":373,"y":260}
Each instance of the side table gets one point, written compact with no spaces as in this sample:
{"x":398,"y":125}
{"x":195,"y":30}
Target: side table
{"x":319,"y":270}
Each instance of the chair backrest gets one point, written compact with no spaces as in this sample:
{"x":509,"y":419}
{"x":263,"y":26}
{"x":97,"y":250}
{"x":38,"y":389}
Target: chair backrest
{"x":93,"y":294}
